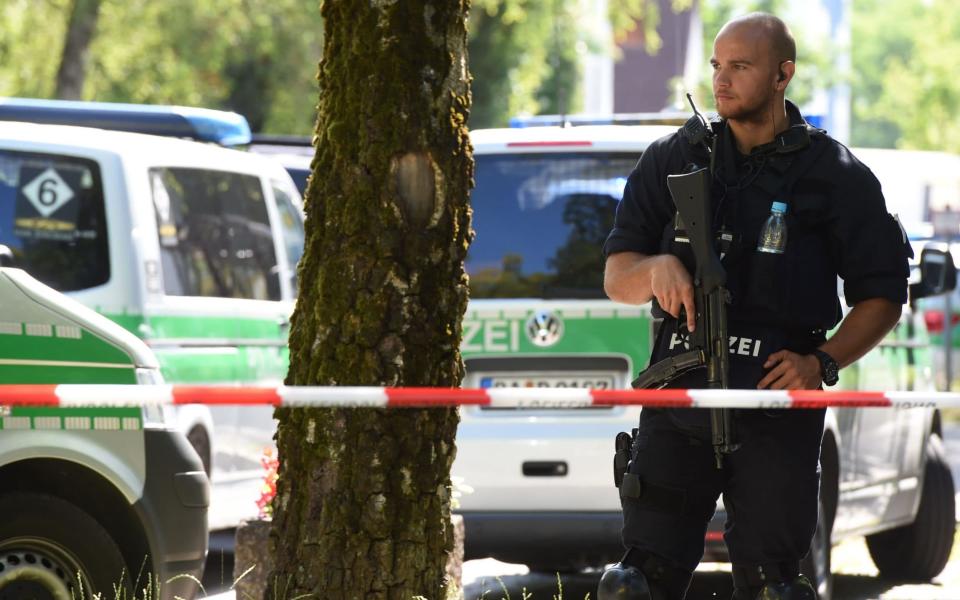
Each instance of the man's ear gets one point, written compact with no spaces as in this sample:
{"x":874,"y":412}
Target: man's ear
{"x":785,"y":72}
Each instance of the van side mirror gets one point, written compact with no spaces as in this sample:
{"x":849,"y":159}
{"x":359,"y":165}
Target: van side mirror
{"x":938,"y":274}
{"x":6,"y":256}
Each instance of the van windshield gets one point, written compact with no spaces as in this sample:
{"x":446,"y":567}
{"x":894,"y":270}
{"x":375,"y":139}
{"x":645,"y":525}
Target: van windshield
{"x":52,"y":218}
{"x":540,"y":222}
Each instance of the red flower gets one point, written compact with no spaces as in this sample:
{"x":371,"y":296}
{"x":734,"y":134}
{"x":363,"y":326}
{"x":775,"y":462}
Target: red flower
{"x":271,"y":464}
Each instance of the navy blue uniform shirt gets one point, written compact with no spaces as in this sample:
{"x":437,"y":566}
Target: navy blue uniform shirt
{"x":837,"y":225}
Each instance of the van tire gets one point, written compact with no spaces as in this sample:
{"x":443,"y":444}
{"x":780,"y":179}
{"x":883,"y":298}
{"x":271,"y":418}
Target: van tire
{"x":919,"y":551}
{"x":49,"y":542}
{"x":816,"y":565}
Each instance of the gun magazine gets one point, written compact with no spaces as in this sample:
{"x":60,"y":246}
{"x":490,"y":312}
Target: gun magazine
{"x":659,"y":375}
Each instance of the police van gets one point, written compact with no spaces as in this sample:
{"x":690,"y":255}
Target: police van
{"x":190,"y":246}
{"x":93,"y":499}
{"x":539,"y":487}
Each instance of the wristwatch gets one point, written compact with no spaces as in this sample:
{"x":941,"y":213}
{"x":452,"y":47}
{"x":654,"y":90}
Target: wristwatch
{"x":829,"y":369}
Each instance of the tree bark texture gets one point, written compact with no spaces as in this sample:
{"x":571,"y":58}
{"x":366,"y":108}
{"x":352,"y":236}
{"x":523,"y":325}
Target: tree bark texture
{"x":363,"y":503}
{"x":76,"y":49}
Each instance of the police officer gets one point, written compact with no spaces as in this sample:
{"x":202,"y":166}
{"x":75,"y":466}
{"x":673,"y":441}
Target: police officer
{"x":781,"y":306}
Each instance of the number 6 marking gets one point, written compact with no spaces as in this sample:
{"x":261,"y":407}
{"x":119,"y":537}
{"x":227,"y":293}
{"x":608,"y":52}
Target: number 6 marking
{"x":48,"y":192}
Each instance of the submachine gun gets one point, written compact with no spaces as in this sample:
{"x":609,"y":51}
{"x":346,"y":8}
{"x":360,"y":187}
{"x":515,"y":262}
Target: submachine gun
{"x":708,"y":342}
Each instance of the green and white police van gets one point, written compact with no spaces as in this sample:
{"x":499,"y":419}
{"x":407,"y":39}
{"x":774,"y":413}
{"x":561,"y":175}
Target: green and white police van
{"x":539,"y":481}
{"x":92,"y":499}
{"x":190,"y":246}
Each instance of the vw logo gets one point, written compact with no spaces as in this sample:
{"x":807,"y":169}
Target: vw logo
{"x":544,"y":329}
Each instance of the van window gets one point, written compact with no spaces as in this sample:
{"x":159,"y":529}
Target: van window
{"x":541,"y":221}
{"x":215,"y":236}
{"x":291,"y":227}
{"x":52,"y":218}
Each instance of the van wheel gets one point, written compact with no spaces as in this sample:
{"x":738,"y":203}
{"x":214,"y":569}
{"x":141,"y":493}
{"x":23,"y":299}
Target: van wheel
{"x":53,"y":550}
{"x":919,"y":551}
{"x":816,"y":564}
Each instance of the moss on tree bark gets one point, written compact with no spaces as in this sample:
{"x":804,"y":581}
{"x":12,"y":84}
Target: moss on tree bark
{"x":363,"y":501}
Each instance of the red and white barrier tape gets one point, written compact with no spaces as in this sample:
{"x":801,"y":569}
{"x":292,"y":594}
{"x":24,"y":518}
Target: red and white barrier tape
{"x":142,"y":395}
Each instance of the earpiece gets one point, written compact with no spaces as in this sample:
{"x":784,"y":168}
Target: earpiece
{"x":781,"y":76}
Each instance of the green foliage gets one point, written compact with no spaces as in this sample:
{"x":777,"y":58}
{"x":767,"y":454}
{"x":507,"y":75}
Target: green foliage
{"x":626,"y":15}
{"x":258,"y":57}
{"x":523,"y":58}
{"x":906,"y":56}
{"x":31,"y":35}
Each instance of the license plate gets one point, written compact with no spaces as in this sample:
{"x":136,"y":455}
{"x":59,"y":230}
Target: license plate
{"x":596,"y":382}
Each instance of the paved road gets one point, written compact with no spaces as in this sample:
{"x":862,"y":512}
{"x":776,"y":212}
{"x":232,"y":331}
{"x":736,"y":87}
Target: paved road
{"x":855,"y":576}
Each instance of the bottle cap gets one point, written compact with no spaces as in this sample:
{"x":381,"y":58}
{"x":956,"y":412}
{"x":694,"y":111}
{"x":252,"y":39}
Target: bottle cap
{"x":780,"y":207}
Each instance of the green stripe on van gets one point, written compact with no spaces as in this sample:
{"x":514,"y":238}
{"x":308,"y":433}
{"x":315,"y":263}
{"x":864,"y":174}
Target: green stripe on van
{"x":35,"y":342}
{"x":199,"y":326}
{"x":213,"y":364}
{"x":54,"y":374}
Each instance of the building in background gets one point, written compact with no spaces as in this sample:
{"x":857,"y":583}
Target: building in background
{"x":649,"y":83}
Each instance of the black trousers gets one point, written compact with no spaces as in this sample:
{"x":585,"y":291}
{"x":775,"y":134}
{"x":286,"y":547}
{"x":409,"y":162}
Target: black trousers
{"x":770,"y":487}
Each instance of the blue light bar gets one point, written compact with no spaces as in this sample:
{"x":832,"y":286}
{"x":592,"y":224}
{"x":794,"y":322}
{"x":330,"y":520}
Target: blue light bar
{"x":217,"y":126}
{"x":658,"y":118}
{"x":814,"y":120}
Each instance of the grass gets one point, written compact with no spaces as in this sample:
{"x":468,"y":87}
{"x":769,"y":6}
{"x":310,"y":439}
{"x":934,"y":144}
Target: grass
{"x":524,"y":594}
{"x":151,"y":590}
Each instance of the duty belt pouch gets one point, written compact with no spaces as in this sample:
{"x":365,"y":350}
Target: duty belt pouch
{"x":767,"y":282}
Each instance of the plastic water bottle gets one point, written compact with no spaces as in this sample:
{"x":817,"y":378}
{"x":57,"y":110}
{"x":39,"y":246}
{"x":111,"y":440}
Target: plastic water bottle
{"x":773,"y":236}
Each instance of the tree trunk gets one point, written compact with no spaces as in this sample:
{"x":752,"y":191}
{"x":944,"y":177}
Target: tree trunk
{"x":73,"y":64}
{"x":363,"y":502}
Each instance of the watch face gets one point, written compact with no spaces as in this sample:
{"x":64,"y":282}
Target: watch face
{"x":829,"y":368}
{"x":831,"y":376}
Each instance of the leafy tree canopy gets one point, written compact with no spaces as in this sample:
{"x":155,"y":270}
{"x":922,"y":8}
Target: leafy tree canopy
{"x":905,"y":58}
{"x":258,"y":57}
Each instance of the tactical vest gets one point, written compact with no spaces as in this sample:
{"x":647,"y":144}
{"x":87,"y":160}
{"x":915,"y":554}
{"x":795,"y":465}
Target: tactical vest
{"x":767,"y":290}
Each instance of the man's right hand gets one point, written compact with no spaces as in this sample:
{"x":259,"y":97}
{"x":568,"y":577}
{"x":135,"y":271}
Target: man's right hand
{"x":634,"y":278}
{"x":672,"y":287}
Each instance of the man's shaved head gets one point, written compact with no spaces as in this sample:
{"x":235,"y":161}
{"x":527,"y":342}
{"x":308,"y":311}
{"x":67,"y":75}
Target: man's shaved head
{"x":782,"y":44}
{"x":754,"y":60}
